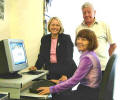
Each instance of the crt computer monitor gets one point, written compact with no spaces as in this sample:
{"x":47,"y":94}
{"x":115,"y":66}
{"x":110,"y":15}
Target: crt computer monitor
{"x":12,"y":58}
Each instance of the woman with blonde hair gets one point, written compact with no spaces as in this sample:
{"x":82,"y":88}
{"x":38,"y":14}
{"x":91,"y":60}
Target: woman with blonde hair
{"x":56,"y":52}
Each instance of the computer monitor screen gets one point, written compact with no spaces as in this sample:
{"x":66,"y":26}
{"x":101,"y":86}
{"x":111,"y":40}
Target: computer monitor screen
{"x":18,"y":53}
{"x":13,"y":57}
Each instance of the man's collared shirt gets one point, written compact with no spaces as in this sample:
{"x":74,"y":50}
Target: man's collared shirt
{"x":102,"y":32}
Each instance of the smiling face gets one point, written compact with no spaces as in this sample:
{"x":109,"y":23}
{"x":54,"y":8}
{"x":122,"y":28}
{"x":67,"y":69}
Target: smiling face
{"x":82,"y":44}
{"x":54,"y":27}
{"x":88,"y":15}
{"x":86,"y":40}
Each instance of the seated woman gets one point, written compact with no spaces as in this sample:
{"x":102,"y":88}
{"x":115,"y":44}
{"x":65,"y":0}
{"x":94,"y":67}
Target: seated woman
{"x":88,"y":73}
{"x":56,"y":52}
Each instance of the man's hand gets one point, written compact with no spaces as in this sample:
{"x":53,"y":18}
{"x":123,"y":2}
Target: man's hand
{"x":112,"y":49}
{"x":44,"y":90}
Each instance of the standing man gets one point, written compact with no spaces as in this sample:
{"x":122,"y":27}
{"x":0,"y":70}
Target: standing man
{"x":102,"y":32}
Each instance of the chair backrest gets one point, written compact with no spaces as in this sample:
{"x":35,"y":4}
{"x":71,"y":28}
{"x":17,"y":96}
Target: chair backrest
{"x":107,"y":83}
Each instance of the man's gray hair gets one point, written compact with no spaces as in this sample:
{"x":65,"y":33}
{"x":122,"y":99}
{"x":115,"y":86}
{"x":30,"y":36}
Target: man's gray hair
{"x":87,"y":4}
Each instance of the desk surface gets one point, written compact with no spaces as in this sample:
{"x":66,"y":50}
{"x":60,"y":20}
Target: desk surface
{"x":19,"y":87}
{"x":3,"y":95}
{"x":19,"y":82}
{"x":27,"y":93}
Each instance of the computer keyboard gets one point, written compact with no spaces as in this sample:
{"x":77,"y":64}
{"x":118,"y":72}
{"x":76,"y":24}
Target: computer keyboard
{"x":40,"y":83}
{"x":34,"y":72}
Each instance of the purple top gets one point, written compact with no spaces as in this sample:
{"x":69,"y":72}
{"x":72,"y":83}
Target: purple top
{"x":88,"y":73}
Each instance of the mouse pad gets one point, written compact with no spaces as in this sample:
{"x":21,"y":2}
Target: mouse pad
{"x":40,"y":83}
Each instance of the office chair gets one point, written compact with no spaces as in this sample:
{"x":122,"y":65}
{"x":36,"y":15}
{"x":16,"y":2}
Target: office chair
{"x":107,"y":84}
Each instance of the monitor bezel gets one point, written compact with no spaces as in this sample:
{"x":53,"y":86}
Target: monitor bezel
{"x":11,"y":66}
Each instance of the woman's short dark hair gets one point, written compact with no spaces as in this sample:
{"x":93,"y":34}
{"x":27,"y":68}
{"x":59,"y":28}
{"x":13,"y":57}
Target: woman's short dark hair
{"x":90,"y":36}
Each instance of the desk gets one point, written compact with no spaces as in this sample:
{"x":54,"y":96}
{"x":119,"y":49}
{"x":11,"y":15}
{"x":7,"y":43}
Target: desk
{"x":3,"y":95}
{"x":19,"y":87}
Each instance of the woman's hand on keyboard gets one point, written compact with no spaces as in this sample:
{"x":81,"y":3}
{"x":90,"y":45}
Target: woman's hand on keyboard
{"x":33,"y":68}
{"x":63,"y":78}
{"x":44,"y":90}
{"x":55,"y":81}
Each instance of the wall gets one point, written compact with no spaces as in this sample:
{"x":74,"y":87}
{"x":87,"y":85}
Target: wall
{"x":25,"y":22}
{"x":4,"y":24}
